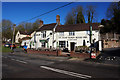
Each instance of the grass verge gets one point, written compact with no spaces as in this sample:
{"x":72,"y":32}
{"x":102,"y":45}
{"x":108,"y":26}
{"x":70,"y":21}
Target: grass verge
{"x":5,"y":49}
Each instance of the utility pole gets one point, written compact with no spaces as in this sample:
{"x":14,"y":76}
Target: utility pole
{"x":90,"y":34}
{"x":54,"y":33}
{"x":13,"y":35}
{"x":90,"y":28}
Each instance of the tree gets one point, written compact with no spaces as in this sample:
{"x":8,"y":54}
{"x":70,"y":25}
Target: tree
{"x":7,"y":29}
{"x":28,"y":26}
{"x":107,"y":26}
{"x":36,"y":25}
{"x":90,"y":13}
{"x":70,"y":19}
{"x":75,"y":16}
{"x":113,"y":13}
{"x":19,"y":28}
{"x":80,"y":17}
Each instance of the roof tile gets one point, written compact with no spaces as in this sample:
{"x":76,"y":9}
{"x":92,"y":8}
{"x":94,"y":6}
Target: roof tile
{"x":76,"y":27}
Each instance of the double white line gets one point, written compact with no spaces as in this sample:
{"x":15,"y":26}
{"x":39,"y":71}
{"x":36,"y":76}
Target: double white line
{"x":67,"y":72}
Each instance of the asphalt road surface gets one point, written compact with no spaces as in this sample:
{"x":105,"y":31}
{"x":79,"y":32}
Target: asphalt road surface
{"x":20,"y":66}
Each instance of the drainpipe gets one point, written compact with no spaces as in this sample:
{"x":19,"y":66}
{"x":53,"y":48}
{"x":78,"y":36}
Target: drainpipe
{"x":35,"y":39}
{"x":53,"y":34}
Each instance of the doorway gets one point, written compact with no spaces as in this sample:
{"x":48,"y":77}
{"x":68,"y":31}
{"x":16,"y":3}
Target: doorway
{"x":43,"y":44}
{"x":72,"y":46}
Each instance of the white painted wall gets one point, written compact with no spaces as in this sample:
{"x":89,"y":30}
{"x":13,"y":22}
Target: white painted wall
{"x":27,"y":43}
{"x":32,"y":42}
{"x":18,"y":35}
{"x":77,"y":38}
{"x":32,"y":34}
{"x":39,"y":37}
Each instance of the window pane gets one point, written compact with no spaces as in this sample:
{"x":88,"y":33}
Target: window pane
{"x":71,"y":33}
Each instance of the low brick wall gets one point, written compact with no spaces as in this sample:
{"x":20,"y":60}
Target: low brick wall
{"x":80,"y":55}
{"x":56,"y":53}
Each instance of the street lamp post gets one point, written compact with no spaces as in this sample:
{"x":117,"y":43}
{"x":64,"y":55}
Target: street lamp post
{"x":13,"y":35}
{"x":90,"y":29}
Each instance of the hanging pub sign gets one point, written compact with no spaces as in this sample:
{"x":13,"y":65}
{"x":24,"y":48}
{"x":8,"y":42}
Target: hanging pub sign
{"x":43,"y":41}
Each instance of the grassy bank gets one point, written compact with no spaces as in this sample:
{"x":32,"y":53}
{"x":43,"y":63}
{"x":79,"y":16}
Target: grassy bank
{"x":4,"y":49}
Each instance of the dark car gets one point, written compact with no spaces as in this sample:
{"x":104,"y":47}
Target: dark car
{"x":7,"y":45}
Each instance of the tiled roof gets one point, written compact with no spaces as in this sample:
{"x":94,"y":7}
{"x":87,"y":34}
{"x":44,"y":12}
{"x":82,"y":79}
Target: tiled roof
{"x":76,"y":27}
{"x":30,"y":32}
{"x":26,"y":38}
{"x":46,"y":27}
{"x":26,"y":33}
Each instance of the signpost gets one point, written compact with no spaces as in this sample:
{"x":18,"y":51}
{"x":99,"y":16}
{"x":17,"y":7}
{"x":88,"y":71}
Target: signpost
{"x":90,"y":39}
{"x":90,"y":34}
{"x":93,"y":55}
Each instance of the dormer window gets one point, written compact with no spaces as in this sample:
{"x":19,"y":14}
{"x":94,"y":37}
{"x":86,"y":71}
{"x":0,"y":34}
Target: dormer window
{"x":44,"y":34}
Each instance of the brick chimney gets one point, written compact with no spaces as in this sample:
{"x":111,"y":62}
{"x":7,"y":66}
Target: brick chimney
{"x":41,"y":23}
{"x":58,"y":19}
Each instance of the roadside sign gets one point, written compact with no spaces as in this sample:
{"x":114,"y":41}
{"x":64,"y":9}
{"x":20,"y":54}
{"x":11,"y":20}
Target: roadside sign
{"x":93,"y":55}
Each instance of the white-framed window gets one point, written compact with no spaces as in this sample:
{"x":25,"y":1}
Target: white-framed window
{"x":62,"y":44}
{"x":61,"y":33}
{"x":43,"y":34}
{"x":71,"y":33}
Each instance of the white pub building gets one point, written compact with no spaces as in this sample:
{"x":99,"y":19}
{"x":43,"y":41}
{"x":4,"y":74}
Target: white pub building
{"x":56,"y":36}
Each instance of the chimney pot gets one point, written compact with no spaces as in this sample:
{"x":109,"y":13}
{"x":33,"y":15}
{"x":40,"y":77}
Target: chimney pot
{"x":41,"y":23}
{"x":58,"y":19}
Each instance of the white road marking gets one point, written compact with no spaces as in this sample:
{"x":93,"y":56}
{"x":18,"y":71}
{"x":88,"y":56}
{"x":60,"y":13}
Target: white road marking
{"x":12,"y":59}
{"x":22,"y":61}
{"x":16,"y":60}
{"x":67,"y":72}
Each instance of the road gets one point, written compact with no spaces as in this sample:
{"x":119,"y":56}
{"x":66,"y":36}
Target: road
{"x":20,"y":66}
{"x":109,"y":56}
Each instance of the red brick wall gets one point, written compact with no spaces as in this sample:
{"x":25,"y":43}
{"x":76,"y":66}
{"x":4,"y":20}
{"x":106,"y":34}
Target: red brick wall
{"x":56,"y":53}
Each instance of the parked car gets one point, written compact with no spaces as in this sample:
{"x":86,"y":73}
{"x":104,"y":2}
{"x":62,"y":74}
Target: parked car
{"x":7,"y":45}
